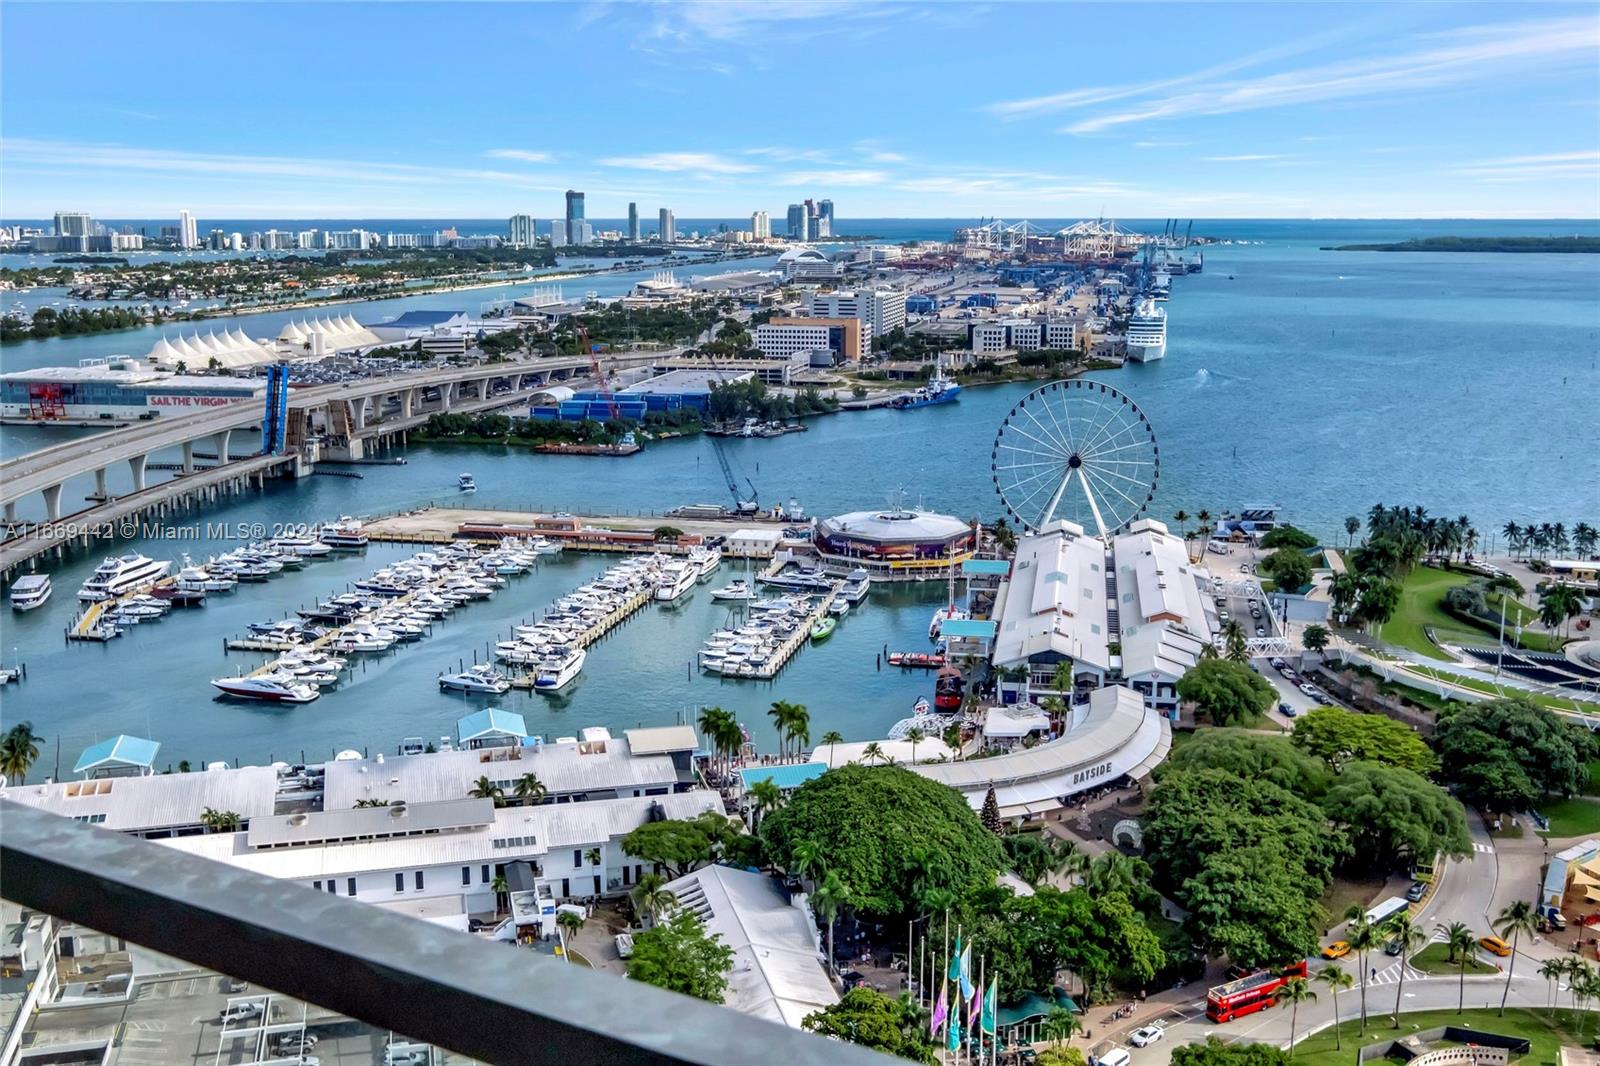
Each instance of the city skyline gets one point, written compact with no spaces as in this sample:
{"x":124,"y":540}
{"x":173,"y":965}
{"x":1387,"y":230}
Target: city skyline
{"x":1220,"y":111}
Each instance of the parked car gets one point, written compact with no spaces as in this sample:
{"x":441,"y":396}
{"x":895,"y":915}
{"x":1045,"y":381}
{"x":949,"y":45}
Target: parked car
{"x":1278,"y":663}
{"x":1146,"y":1036}
{"x":624,"y":944}
{"x":1417,"y":890}
{"x":1261,"y":631}
{"x":1288,"y":674}
{"x":1308,"y":689}
{"x":241,"y":1012}
{"x":1287,"y":710}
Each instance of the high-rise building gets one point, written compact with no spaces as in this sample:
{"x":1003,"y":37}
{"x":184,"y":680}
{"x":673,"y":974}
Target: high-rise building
{"x":825,"y":218}
{"x":633,"y":223}
{"x":580,"y":233}
{"x":74,"y":224}
{"x":574,"y":214}
{"x":760,"y":226}
{"x":558,"y":233}
{"x":797,"y":222}
{"x":219,"y":240}
{"x":188,"y":231}
{"x":519,"y":231}
{"x":669,"y":226}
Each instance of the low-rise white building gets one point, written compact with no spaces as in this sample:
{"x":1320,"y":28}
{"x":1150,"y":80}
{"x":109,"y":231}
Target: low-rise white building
{"x":879,"y":310}
{"x":1023,"y":335}
{"x":752,"y":543}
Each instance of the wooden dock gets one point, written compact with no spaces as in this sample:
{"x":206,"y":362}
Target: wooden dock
{"x":784,"y":652}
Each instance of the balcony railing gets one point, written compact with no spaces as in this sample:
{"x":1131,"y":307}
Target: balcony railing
{"x":433,"y":984}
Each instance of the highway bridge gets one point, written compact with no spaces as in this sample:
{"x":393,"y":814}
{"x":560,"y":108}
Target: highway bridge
{"x":340,"y":421}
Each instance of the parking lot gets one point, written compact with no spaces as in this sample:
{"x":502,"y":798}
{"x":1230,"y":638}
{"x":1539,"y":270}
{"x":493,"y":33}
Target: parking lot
{"x":174,"y":1020}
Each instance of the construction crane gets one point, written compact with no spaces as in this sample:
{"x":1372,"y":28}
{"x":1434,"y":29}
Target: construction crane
{"x":599,"y":373}
{"x":753,"y":504}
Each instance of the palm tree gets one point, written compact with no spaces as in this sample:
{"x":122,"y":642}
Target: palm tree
{"x":567,"y":924}
{"x":1405,"y":932}
{"x":1515,"y":919}
{"x":1352,"y":526}
{"x":220,"y":821}
{"x":530,"y":790}
{"x":1458,"y":941}
{"x":806,"y":860}
{"x":1513,"y":534}
{"x":779,"y":713}
{"x":483,"y":788}
{"x":916,"y":736}
{"x":501,"y":889}
{"x":873,"y":753}
{"x":1552,"y":970}
{"x":1362,"y":938}
{"x":1577,"y":969}
{"x":1182,"y":518}
{"x":1238,"y":651}
{"x":1061,"y":1025}
{"x":764,"y":796}
{"x":1067,"y":859}
{"x":799,"y":726}
{"x":832,"y":738}
{"x":1294,"y":993}
{"x":828,"y":898}
{"x":1203,"y":517}
{"x":593,"y":856}
{"x":19,"y":750}
{"x":1336,"y":979}
{"x":719,"y":728}
{"x":651,"y":897}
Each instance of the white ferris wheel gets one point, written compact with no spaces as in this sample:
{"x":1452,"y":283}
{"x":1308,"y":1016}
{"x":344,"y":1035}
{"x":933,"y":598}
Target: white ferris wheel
{"x":1077,"y":450}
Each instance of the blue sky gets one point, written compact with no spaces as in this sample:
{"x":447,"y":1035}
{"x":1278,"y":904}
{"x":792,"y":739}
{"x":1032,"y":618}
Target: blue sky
{"x":718,"y":108}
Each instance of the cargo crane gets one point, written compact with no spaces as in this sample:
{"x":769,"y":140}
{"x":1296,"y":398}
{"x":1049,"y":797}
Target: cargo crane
{"x":744,"y":507}
{"x":599,"y":373}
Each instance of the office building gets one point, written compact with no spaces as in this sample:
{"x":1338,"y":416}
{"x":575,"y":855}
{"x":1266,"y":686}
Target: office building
{"x":519,"y":231}
{"x":1023,"y":335}
{"x":824,"y":218}
{"x":633,"y":223}
{"x":668,"y":226}
{"x":880,"y":310}
{"x":580,"y":233}
{"x":782,"y":337}
{"x":797,"y":222}
{"x":236,"y":242}
{"x":74,"y":224}
{"x":558,"y":233}
{"x":760,"y":226}
{"x":188,"y":231}
{"x":574,"y":215}
{"x":127,"y":242}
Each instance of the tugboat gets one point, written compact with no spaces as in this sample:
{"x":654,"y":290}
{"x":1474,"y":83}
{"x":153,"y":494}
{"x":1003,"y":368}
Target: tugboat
{"x":937,"y":389}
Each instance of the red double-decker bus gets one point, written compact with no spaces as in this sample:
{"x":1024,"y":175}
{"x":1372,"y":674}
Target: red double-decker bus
{"x":1249,"y":994}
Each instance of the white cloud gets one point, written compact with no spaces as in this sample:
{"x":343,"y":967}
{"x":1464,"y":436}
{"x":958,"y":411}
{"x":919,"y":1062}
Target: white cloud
{"x":1516,"y":168}
{"x":1479,"y":53}
{"x":835,"y":177}
{"x":704,"y":162}
{"x":520,"y":154}
{"x":1247,"y":157}
{"x":792,"y":155}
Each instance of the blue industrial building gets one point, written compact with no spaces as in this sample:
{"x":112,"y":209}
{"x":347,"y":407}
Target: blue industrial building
{"x":667,"y":392}
{"x":920,"y":304}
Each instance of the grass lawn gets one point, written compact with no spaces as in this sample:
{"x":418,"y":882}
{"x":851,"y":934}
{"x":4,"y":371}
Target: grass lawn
{"x":1575,"y":817}
{"x":1594,"y":778}
{"x":1420,"y":608}
{"x":1436,"y":959}
{"x":1542,"y":1032}
{"x":1489,"y":689}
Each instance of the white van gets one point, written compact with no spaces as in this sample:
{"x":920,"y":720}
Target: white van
{"x":1117,"y":1056}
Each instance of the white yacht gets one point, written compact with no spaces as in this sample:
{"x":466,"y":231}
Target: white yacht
{"x":306,"y":547}
{"x":856,"y":586}
{"x":122,"y":574}
{"x":705,"y":560}
{"x":466,"y":483}
{"x":271,"y":687}
{"x":30,"y":592}
{"x":346,"y":534}
{"x":480,"y":678}
{"x":676,"y":579}
{"x":941,"y":616}
{"x":553,"y":673}
{"x":1147,"y":331}
{"x":737,"y":590}
{"x":196,"y":578}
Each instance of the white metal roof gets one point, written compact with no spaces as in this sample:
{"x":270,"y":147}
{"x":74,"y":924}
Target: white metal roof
{"x":160,"y":801}
{"x":1054,"y":599}
{"x":661,"y":740}
{"x":777,"y":970}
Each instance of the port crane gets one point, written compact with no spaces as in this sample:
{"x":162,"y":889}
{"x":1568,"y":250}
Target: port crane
{"x":599,"y":372}
{"x":753,"y":504}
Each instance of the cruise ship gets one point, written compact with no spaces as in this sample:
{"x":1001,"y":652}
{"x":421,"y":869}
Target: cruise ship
{"x":123,"y":574}
{"x":1147,"y":331}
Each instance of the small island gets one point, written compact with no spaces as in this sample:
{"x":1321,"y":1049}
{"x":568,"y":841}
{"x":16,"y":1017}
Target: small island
{"x":1477,"y":244}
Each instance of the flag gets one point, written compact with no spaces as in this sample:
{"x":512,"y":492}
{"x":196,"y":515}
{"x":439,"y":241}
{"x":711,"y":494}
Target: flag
{"x":941,"y":1010}
{"x":965,"y":975}
{"x":955,"y":961}
{"x":954,"y":1043}
{"x":991,"y":1006}
{"x":972,"y":1014}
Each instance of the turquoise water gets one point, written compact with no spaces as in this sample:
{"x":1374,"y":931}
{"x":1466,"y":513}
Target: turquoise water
{"x":1322,"y":382}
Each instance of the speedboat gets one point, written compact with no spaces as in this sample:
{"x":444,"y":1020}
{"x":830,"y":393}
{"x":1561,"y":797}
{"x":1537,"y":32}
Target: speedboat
{"x":737,"y":590}
{"x":822,"y":629}
{"x":301,"y":545}
{"x":556,"y":671}
{"x":466,"y":483}
{"x":276,"y":688}
{"x":30,"y":591}
{"x":116,"y":576}
{"x":480,"y":678}
{"x":839,"y":607}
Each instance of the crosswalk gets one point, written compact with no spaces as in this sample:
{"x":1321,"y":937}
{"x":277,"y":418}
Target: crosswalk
{"x":1391,"y":975}
{"x":1487,"y":849}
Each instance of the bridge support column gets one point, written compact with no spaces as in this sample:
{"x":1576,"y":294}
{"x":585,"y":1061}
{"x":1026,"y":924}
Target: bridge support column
{"x":11,"y":513}
{"x":408,"y":402}
{"x":447,"y":393}
{"x":52,"y":503}
{"x":100,"y":485}
{"x":358,"y":414}
{"x":137,"y":463}
{"x":221,"y":441}
{"x":188,"y":457}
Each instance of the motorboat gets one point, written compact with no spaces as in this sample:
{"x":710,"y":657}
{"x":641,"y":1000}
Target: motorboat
{"x":822,"y":629}
{"x":839,"y":607}
{"x":676,"y":579}
{"x":480,"y":678}
{"x":705,"y":560}
{"x":305,"y":546}
{"x":804,"y":580}
{"x":856,"y":586}
{"x":122,"y":574}
{"x":30,"y":591}
{"x":466,"y":483}
{"x":346,"y":534}
{"x":276,"y":688}
{"x":554,"y":673}
{"x":413,"y":746}
{"x":941,"y":616}
{"x":736,"y":590}
{"x":196,"y":578}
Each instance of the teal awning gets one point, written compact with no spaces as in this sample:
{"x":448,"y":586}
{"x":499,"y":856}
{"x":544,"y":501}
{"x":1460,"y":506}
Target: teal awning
{"x":967,"y":628}
{"x":1034,"y":1006}
{"x":992,"y":567}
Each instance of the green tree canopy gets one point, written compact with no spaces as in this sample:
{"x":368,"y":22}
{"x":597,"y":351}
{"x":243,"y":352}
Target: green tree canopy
{"x":867,"y":1017}
{"x":681,"y":956}
{"x":1289,"y":567}
{"x":1392,"y":814}
{"x":1287,"y":536}
{"x":1253,"y":757}
{"x":1251,"y":905}
{"x":1338,"y":736}
{"x":680,"y":845}
{"x":1215,"y":1053}
{"x":1506,"y":754}
{"x":890,"y":834}
{"x":1228,"y":692}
